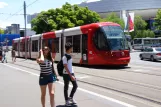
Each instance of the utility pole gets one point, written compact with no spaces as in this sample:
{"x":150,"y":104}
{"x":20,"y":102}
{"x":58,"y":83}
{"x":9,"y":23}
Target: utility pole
{"x":25,"y":30}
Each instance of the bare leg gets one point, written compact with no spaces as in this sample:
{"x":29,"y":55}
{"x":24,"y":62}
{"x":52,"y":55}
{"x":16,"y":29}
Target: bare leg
{"x":51,"y":87}
{"x":15,"y":59}
{"x":43,"y":94}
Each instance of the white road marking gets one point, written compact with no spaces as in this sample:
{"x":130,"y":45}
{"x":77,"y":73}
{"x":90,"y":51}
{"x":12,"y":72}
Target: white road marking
{"x":82,"y":77}
{"x":138,"y":70}
{"x":81,"y":89}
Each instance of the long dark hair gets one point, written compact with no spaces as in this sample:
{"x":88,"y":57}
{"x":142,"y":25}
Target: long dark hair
{"x":48,"y":57}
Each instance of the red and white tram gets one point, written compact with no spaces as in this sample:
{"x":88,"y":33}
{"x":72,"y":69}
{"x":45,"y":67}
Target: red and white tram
{"x":93,"y":44}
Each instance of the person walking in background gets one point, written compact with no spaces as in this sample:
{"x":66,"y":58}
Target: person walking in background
{"x":47,"y":76}
{"x":13,"y":52}
{"x":4,"y":58}
{"x":68,"y":75}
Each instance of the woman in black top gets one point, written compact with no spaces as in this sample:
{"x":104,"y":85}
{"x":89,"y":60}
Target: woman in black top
{"x":47,"y":76}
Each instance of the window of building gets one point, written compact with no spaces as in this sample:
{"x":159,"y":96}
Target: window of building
{"x":35,"y":46}
{"x":76,"y":43}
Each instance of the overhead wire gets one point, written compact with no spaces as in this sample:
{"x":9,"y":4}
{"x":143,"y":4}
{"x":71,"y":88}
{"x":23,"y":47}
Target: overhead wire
{"x":16,"y":13}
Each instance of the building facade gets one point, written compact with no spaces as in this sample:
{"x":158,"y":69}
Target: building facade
{"x":30,"y":17}
{"x":147,"y":9}
{"x":13,"y":29}
{"x":29,"y":32}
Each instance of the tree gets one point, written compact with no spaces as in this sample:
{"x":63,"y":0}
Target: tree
{"x":140,"y":29}
{"x":1,"y":31}
{"x":144,"y":34}
{"x":66,"y":17}
{"x":139,"y":23}
{"x":112,"y":17}
{"x":158,"y":20}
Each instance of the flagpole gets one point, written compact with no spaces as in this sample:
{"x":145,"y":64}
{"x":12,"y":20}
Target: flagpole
{"x":128,"y":22}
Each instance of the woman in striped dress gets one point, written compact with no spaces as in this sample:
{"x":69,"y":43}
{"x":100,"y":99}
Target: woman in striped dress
{"x":47,"y":76}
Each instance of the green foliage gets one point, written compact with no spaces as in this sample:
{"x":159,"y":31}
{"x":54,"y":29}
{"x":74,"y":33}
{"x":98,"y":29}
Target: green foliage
{"x":140,"y":29}
{"x":112,"y":17}
{"x":66,"y":17}
{"x":139,"y":23}
{"x":145,"y":33}
{"x":158,"y":20}
{"x":1,"y":31}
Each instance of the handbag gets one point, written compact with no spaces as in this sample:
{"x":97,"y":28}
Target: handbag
{"x":53,"y":70}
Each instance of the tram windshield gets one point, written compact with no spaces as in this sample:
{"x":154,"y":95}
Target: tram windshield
{"x":115,"y":37}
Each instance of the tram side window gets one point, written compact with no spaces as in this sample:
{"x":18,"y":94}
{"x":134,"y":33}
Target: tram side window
{"x":100,"y":41}
{"x":45,"y":42}
{"x":22,"y":47}
{"x":55,"y":45}
{"x":27,"y":46}
{"x":159,"y":41}
{"x":16,"y":47}
{"x":76,"y":43}
{"x":35,"y":46}
{"x":69,"y":39}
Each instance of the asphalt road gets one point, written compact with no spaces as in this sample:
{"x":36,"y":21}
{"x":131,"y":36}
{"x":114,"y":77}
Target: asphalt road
{"x":19,"y":88}
{"x":138,"y":84}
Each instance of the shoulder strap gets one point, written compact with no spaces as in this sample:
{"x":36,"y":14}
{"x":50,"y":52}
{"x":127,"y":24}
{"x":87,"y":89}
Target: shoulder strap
{"x":68,"y":57}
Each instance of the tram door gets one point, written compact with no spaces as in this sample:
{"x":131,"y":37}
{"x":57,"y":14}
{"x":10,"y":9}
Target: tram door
{"x":84,"y":49}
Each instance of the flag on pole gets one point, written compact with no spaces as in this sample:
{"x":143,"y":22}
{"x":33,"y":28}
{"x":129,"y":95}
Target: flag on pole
{"x":129,"y":21}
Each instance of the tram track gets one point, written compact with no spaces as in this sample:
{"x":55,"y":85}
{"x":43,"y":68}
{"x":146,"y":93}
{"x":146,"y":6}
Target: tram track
{"x":156,"y":101}
{"x":123,"y":92}
{"x":125,"y":69}
{"x":110,"y":78}
{"x":123,"y":80}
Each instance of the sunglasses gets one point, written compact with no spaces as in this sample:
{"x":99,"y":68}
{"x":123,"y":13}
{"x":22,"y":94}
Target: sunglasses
{"x":46,"y":49}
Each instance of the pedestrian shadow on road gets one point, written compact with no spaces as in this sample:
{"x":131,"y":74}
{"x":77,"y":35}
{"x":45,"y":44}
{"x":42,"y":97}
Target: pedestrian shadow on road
{"x":66,"y":106}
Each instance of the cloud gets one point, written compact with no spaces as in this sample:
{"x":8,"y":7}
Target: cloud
{"x":3,"y":4}
{"x":3,"y":24}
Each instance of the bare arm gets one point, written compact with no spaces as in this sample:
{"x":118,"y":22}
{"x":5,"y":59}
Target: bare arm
{"x":67,"y":70}
{"x":39,"y":59}
{"x":53,"y":66}
{"x":65,"y":62}
{"x":41,"y":55}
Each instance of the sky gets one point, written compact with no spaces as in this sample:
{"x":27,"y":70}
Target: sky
{"x":10,"y":7}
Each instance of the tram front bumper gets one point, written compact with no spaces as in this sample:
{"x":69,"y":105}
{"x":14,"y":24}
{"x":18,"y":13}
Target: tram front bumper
{"x":120,"y":61}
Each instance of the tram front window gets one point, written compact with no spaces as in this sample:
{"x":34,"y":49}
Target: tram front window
{"x":115,"y":37}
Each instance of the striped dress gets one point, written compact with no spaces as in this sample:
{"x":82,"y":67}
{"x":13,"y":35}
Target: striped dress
{"x":46,"y":67}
